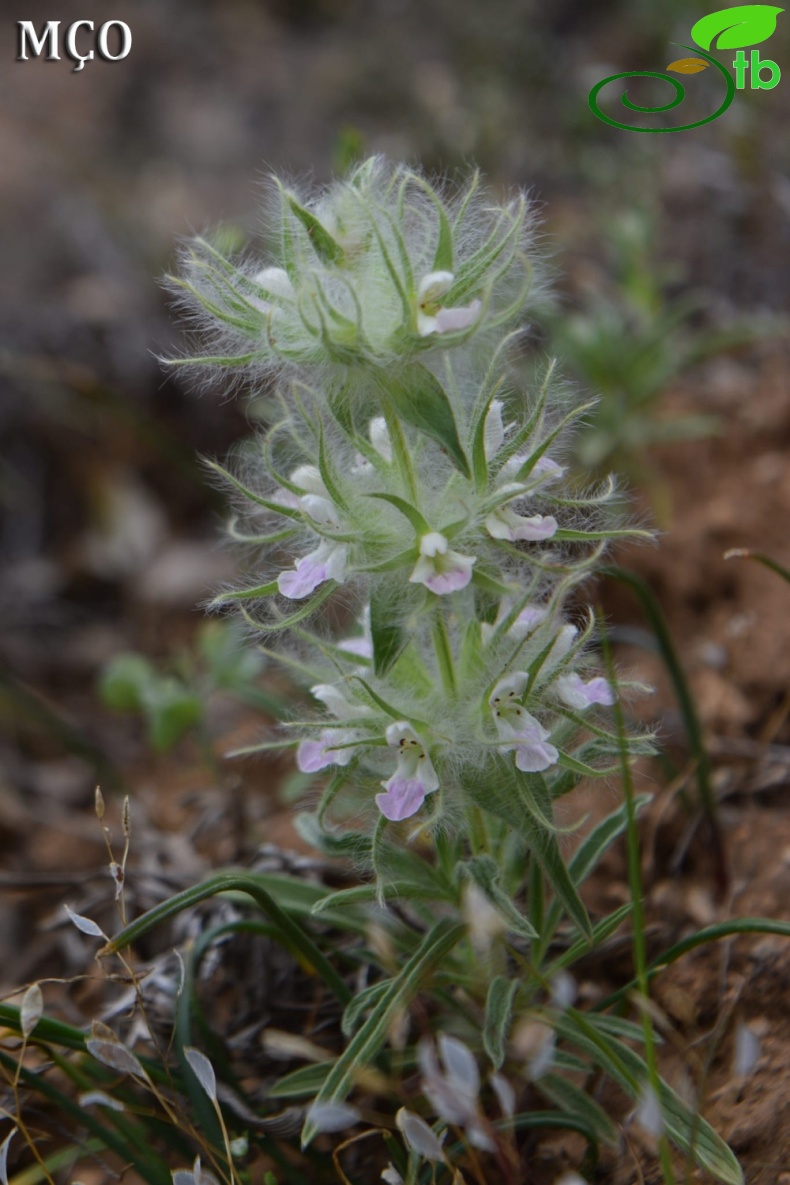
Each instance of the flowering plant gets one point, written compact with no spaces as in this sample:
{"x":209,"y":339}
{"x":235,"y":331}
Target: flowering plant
{"x":410,"y":475}
{"x":413,"y":484}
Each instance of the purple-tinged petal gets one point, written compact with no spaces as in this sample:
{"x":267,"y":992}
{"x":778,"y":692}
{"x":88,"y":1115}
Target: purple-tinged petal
{"x":308,"y":573}
{"x":312,"y":756}
{"x":577,"y":694}
{"x":535,"y":755}
{"x":450,"y":581}
{"x":454,"y":320}
{"x":403,"y":799}
{"x":536,"y":528}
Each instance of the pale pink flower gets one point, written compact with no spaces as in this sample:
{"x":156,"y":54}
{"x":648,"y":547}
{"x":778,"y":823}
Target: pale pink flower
{"x":414,"y":776}
{"x":526,"y":736}
{"x":327,"y":562}
{"x":439,"y":568}
{"x":504,"y":523}
{"x":574,"y":692}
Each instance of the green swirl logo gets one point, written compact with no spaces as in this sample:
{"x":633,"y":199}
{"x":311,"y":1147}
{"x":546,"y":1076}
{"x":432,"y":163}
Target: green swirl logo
{"x":731,"y":28}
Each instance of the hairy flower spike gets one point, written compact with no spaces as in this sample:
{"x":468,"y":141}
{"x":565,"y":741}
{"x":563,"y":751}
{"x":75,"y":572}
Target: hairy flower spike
{"x":409,"y":479}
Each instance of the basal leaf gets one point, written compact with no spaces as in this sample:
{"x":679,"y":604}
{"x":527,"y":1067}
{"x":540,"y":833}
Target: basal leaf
{"x":499,"y":1010}
{"x":364,"y":1046}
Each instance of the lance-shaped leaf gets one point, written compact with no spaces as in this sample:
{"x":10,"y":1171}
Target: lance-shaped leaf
{"x":499,"y":1011}
{"x":386,"y":628}
{"x":360,"y":1051}
{"x":326,"y":247}
{"x":685,"y":1127}
{"x":522,"y":800}
{"x":732,"y":28}
{"x":419,"y":398}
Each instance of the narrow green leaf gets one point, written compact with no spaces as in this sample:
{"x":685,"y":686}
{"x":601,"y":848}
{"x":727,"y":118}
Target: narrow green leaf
{"x":578,"y":1103}
{"x":421,"y":400}
{"x":600,"y":932}
{"x":395,"y":713}
{"x":252,"y":885}
{"x":284,"y":623}
{"x":301,"y":1083}
{"x":686,"y":1128}
{"x":484,"y":872}
{"x":421,"y":526}
{"x":287,"y":511}
{"x":504,"y":791}
{"x":389,"y":636}
{"x":499,"y":1010}
{"x":246,"y":594}
{"x":365,"y":1000}
{"x":364,"y":1046}
{"x":745,"y":554}
{"x":326,"y":247}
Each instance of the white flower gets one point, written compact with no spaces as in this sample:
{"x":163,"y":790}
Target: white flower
{"x":274,"y":280}
{"x":380,"y":439}
{"x":574,"y":692}
{"x":439,"y":568}
{"x":528,"y":619}
{"x":414,"y":776}
{"x":361,"y":645}
{"x":504,"y":523}
{"x":432,"y":317}
{"x":527,"y":737}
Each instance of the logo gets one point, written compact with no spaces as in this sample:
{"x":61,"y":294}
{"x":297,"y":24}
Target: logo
{"x":730,"y":28}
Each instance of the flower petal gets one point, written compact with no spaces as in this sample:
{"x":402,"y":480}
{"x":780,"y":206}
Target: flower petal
{"x":403,"y":799}
{"x":535,"y":755}
{"x":310,"y":571}
{"x":454,"y":320}
{"x":312,"y":756}
{"x":573,"y":691}
{"x":433,"y":286}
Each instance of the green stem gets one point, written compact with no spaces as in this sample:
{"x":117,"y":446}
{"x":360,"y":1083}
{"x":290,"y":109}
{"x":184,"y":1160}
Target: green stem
{"x":637,"y":901}
{"x":400,"y":450}
{"x":444,"y":654}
